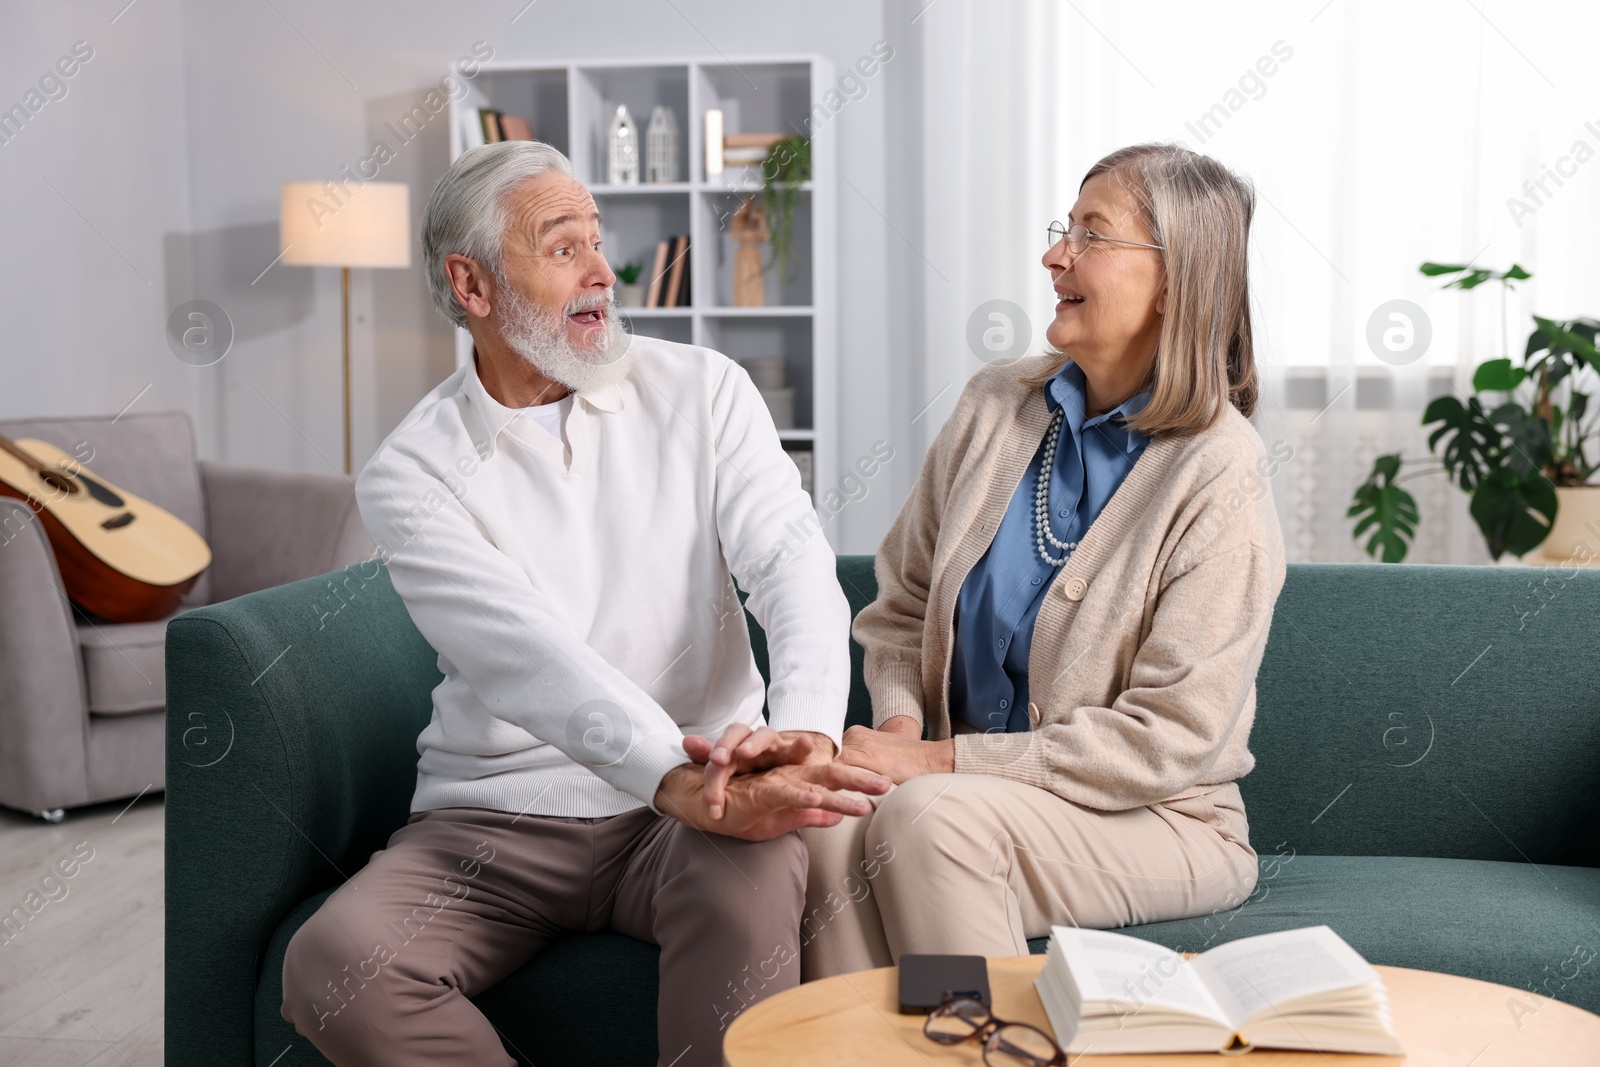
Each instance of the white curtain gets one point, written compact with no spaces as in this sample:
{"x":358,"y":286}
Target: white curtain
{"x":1377,"y":135}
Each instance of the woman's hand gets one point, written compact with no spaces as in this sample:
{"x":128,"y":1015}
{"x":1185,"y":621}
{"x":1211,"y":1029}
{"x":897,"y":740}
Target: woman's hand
{"x":897,"y":750}
{"x":902,"y":724}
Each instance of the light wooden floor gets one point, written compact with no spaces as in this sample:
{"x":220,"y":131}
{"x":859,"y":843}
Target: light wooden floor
{"x":81,"y":983}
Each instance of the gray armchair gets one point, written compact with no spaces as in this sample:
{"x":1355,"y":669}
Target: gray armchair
{"x":83,"y":702}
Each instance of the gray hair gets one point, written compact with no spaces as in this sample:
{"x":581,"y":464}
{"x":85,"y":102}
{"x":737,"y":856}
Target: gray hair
{"x":466,"y":214}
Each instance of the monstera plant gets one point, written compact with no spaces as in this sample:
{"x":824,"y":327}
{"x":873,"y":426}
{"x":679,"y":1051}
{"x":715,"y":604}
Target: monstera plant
{"x":1519,"y":446}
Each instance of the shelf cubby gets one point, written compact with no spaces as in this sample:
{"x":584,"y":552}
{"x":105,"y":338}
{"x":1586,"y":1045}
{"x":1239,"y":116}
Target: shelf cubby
{"x":789,"y":336}
{"x":539,"y":95}
{"x":796,"y":292}
{"x":596,"y":93}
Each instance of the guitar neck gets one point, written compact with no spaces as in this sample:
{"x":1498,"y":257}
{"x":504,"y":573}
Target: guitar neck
{"x":10,"y":446}
{"x":56,"y":479}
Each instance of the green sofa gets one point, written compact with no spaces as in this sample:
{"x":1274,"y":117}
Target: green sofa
{"x":1426,"y":783}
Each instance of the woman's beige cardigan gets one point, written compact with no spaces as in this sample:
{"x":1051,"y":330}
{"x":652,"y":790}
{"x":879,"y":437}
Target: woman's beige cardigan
{"x":1143,"y":662}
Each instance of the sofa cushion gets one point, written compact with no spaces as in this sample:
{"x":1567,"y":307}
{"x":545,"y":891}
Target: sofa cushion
{"x":1517,"y":924}
{"x":1430,"y":711}
{"x":124,"y":666}
{"x":547,"y":1012}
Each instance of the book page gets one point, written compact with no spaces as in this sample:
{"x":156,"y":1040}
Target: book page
{"x":1132,"y":975}
{"x":1250,"y":976}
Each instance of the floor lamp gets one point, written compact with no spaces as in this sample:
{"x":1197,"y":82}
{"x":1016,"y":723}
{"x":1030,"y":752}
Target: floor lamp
{"x":334,"y":224}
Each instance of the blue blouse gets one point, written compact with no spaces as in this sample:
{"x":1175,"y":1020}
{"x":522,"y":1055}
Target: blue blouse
{"x":1000,"y":599}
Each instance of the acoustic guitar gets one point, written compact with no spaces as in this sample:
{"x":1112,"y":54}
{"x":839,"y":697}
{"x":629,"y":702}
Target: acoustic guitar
{"x":121,"y":557}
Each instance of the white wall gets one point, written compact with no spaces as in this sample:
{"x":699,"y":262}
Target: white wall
{"x":295,"y":96}
{"x":91,"y":188}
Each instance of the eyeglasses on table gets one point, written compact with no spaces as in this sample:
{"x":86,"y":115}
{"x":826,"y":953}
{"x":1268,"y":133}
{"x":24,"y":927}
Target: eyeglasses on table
{"x":962,"y":1017}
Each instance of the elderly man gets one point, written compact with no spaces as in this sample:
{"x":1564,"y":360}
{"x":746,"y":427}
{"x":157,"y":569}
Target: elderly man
{"x":561,"y":519}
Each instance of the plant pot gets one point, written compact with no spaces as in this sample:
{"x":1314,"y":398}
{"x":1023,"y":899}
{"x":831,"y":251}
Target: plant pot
{"x":1576,"y":533}
{"x":630,"y":296}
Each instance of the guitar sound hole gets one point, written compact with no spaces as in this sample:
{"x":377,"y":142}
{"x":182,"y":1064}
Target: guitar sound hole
{"x":116,"y":522}
{"x":59,"y":482}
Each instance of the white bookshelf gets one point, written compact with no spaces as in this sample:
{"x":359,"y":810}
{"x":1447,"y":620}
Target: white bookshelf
{"x":570,"y":106}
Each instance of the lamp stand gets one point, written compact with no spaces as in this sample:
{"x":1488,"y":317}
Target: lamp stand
{"x":345,"y":272}
{"x":372,"y":230}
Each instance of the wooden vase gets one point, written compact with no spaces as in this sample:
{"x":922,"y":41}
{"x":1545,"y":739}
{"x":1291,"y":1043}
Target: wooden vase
{"x":749,"y":232}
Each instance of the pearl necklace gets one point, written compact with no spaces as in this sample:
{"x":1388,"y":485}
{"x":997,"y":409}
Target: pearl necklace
{"x":1041,"y":500}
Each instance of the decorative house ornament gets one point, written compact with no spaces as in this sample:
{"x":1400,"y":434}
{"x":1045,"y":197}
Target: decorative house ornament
{"x":622,"y":149}
{"x":749,"y":232}
{"x":661,"y":146}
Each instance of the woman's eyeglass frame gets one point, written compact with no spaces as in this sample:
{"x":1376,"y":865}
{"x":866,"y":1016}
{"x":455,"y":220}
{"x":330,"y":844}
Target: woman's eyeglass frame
{"x":988,"y":1028}
{"x":1079,"y":237}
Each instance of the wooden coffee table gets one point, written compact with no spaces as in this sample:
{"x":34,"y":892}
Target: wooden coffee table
{"x":1441,"y":1019}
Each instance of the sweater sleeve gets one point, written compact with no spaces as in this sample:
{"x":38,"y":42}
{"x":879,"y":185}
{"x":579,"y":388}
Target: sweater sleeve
{"x":1189,"y":683}
{"x":890,"y":629}
{"x":483,"y":614}
{"x":775,"y":548}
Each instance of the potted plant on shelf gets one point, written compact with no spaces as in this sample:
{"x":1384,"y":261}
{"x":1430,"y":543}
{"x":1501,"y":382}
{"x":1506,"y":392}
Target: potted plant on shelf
{"x":1518,"y":446}
{"x":788,"y":164}
{"x":630,"y":294}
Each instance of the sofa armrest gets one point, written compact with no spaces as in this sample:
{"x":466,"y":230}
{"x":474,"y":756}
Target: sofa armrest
{"x":44,"y":717}
{"x":291,"y":758}
{"x":269,"y":527}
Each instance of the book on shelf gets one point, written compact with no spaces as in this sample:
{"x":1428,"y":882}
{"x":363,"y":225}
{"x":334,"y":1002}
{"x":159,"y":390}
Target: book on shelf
{"x":1297,"y":989}
{"x":734,"y":149}
{"x":748,"y":149}
{"x":744,"y":157}
{"x":762,"y":141}
{"x":674,"y":293}
{"x":688,"y":275}
{"x":658,"y":273}
{"x":490,"y":118}
{"x":516,"y":128}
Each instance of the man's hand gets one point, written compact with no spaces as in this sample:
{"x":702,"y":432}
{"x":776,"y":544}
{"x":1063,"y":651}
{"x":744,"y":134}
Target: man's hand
{"x":741,"y":750}
{"x":897,"y":750}
{"x":767,"y":804}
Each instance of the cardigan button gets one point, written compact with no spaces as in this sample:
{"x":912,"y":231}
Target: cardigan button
{"x":1033,"y":713}
{"x":1076,"y":588}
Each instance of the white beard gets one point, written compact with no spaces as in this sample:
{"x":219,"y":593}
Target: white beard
{"x":541,"y":338}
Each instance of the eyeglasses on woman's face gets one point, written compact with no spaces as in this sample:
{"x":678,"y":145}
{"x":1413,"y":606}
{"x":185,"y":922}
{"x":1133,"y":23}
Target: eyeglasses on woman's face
{"x":1079,"y":236}
{"x":961,"y":1018}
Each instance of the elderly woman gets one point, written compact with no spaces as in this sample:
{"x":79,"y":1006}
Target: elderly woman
{"x":1072,"y":606}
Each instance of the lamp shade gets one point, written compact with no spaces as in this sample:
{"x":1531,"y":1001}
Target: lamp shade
{"x":333,"y":224}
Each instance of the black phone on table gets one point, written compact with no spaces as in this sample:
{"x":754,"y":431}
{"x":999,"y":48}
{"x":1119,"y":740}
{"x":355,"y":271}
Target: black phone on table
{"x":926,"y":979}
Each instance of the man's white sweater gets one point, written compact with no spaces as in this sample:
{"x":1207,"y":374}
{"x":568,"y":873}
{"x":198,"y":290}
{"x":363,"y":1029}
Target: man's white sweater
{"x":579,"y":594}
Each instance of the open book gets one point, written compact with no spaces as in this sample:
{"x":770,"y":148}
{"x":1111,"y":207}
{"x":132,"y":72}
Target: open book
{"x":1299,"y":989}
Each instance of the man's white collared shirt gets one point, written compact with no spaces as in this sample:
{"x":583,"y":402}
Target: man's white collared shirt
{"x":578,"y":590}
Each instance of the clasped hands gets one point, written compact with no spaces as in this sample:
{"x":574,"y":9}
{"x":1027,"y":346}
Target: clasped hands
{"x":761,"y":783}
